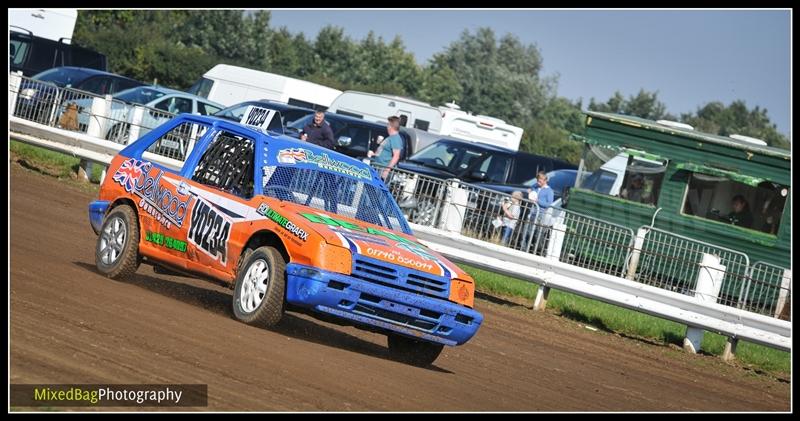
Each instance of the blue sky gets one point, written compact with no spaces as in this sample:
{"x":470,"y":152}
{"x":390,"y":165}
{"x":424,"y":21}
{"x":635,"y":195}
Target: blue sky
{"x":690,"y":57}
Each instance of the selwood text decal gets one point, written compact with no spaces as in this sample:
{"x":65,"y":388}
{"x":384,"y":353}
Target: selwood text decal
{"x":322,"y":160}
{"x":281,"y":220}
{"x":210,"y":230}
{"x":168,"y":207}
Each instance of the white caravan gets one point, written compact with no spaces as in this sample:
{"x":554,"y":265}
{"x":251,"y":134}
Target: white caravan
{"x":230,"y":85}
{"x":418,"y":116}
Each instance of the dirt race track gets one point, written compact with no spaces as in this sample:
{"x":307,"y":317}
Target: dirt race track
{"x":71,"y":325}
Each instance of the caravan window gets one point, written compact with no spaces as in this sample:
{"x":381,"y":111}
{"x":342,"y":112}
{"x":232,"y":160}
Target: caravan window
{"x":421,"y":124}
{"x":724,"y":200}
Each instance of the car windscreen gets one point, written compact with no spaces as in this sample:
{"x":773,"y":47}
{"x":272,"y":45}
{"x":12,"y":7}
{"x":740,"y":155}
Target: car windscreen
{"x":140,"y":95}
{"x":451,"y":157}
{"x":336,"y":194}
{"x":61,"y":76}
{"x":235,"y":112}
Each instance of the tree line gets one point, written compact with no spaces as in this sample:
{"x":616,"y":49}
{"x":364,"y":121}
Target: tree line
{"x":484,"y":74}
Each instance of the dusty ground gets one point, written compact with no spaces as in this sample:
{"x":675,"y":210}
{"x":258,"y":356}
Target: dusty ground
{"x":71,"y":325}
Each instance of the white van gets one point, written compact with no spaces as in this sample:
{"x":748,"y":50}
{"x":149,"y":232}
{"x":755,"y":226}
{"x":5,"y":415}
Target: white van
{"x":53,"y":24}
{"x":419,"y":116}
{"x":230,"y":85}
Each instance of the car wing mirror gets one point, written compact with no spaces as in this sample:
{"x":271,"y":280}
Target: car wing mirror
{"x":344,"y":141}
{"x":478,"y":175}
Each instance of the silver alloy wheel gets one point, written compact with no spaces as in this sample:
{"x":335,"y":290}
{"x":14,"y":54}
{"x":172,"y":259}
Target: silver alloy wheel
{"x":112,"y":240}
{"x":254,"y":286}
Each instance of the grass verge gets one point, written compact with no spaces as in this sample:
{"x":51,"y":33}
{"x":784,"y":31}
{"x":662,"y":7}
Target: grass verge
{"x":628,"y":322}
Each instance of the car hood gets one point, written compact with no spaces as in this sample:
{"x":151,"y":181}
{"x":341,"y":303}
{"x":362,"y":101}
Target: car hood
{"x":370,"y":240}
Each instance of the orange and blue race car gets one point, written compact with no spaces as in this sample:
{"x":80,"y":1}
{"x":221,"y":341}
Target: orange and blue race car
{"x":287,"y":225}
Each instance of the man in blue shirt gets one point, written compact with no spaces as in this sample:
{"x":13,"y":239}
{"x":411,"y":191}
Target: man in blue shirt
{"x":542,"y":195}
{"x":389,"y":151}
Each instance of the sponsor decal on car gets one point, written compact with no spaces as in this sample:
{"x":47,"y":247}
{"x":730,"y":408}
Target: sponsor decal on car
{"x":168,"y":242}
{"x":282,"y":221}
{"x":327,"y":220}
{"x":168,"y":207}
{"x":210,"y":230}
{"x":321,"y":160}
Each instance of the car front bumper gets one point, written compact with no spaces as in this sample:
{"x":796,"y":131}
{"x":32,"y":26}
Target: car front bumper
{"x":362,"y":302}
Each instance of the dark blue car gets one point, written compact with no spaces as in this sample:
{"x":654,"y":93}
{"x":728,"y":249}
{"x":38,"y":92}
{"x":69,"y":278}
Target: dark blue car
{"x":38,"y":96}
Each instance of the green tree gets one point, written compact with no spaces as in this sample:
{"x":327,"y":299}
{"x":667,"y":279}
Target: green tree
{"x":232,"y":35}
{"x":644,"y":104}
{"x":500,"y":79}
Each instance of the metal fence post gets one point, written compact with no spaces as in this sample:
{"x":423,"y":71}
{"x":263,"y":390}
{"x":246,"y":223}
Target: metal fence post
{"x":729,"y":353}
{"x":452,"y":218}
{"x":101,"y":107}
{"x":709,"y":282}
{"x":135,"y":120}
{"x":449,"y":188}
{"x":540,"y":302}
{"x":14,"y":82}
{"x":556,"y":241}
{"x":636,"y":253}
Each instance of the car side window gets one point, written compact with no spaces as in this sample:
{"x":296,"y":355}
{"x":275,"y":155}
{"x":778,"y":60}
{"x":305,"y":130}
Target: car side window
{"x":359,"y":138}
{"x":162,"y":105}
{"x":495,"y":167}
{"x":175,"y":105}
{"x":227,"y":164}
{"x":207,"y":109}
{"x":96,"y":85}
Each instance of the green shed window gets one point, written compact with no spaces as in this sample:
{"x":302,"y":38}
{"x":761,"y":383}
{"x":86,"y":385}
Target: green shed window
{"x":757,"y":206}
{"x":625,"y":173}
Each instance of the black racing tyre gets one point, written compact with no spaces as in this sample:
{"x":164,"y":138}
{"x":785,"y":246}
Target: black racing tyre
{"x":259,"y":291}
{"x":117,"y":250}
{"x":412,"y":351}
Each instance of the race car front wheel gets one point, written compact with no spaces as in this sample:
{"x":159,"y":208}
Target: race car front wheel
{"x":260,"y":284}
{"x":117,"y":251}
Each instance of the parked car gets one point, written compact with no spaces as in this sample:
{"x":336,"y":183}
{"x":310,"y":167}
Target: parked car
{"x":353,"y":136}
{"x":558,"y":180}
{"x":287,"y":226}
{"x":475,"y":163}
{"x":288,"y":113}
{"x":155,"y":98}
{"x":37,"y":97}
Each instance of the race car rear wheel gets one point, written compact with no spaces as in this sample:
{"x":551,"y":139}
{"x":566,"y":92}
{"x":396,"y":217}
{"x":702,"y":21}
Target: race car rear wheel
{"x":117,"y":250}
{"x":412,"y":351}
{"x":260,"y":284}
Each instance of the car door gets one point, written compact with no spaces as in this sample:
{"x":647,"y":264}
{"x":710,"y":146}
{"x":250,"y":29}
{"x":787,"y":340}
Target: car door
{"x":223,"y":182}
